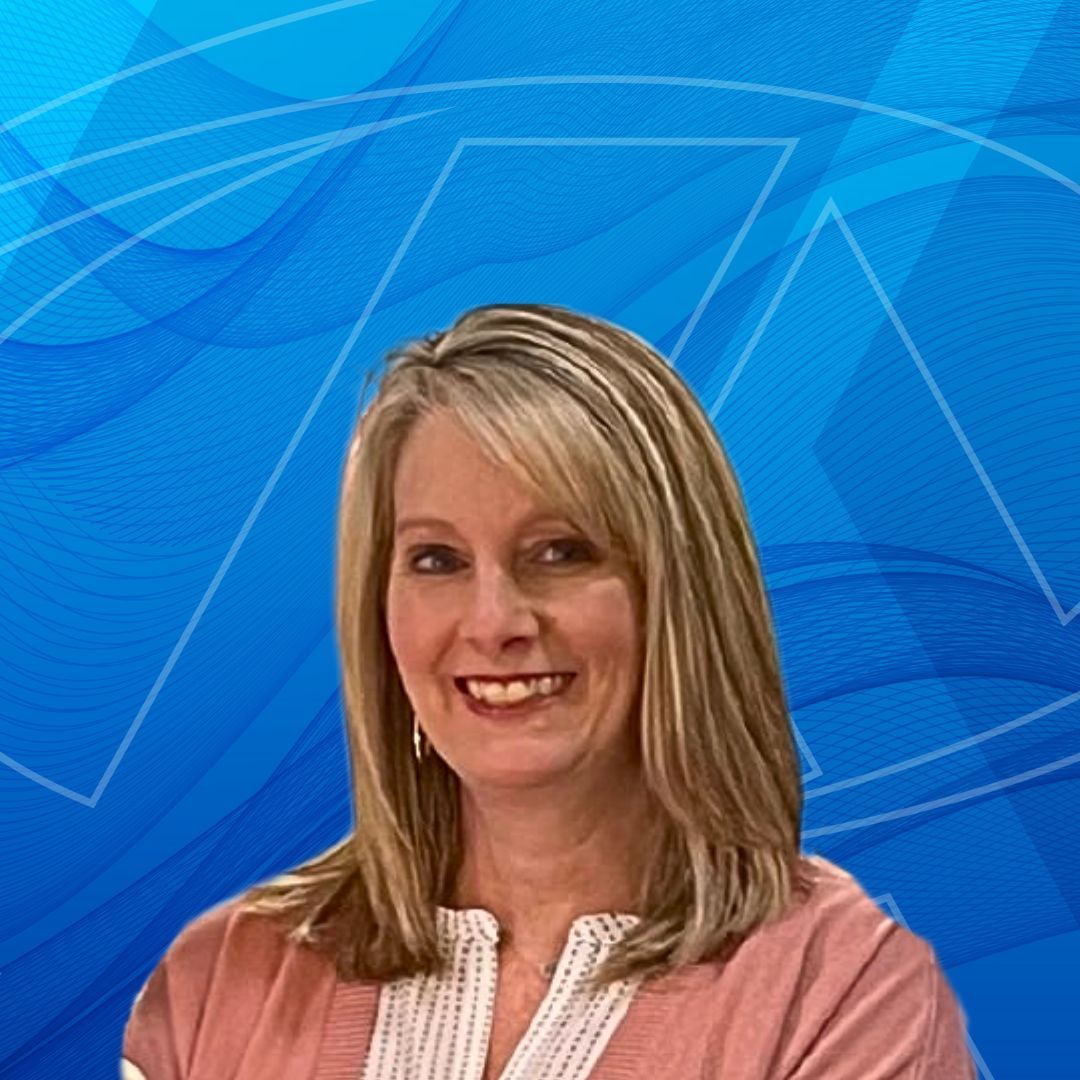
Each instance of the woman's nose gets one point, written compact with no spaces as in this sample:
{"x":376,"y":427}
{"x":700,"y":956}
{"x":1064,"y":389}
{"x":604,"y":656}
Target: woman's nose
{"x":496,"y":610}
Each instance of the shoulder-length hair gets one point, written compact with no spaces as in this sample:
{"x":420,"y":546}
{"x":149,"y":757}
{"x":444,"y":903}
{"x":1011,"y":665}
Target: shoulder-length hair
{"x":590,"y":417}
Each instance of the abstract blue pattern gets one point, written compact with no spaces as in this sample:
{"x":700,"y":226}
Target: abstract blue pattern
{"x":852,"y":228}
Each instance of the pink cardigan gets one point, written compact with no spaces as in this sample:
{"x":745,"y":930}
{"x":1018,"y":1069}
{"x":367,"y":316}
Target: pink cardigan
{"x":832,"y":990}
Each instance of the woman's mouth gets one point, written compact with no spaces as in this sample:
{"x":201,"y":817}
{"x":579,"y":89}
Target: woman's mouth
{"x":513,"y":694}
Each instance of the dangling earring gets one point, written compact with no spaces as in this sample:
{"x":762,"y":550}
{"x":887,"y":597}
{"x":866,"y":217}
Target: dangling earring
{"x":420,"y":744}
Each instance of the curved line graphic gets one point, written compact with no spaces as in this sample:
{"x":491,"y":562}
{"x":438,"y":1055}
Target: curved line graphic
{"x":401,"y":92}
{"x":944,"y":751}
{"x":523,"y":81}
{"x":946,"y":800}
{"x":205,"y":170}
{"x":177,"y":54}
{"x":347,"y":135}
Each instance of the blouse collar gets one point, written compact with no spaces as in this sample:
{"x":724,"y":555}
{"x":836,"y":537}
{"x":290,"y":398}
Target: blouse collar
{"x":479,"y":924}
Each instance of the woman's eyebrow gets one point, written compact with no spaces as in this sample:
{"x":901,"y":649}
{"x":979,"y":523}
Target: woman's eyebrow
{"x":405,"y":524}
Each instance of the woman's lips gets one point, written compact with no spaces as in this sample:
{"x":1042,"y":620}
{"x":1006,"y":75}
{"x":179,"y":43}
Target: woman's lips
{"x":536,"y":703}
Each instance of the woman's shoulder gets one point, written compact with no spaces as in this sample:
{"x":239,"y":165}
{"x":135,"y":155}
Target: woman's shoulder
{"x":833,"y":934}
{"x":231,"y":951}
{"x":842,"y":985}
{"x":218,"y":987}
{"x":862,"y":972}
{"x":228,"y":930}
{"x":835,"y":906}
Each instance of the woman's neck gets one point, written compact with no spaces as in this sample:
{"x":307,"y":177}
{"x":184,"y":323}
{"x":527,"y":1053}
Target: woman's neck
{"x":537,"y":862}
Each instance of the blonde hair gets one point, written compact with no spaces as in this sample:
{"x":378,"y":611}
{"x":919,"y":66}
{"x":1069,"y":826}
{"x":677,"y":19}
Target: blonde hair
{"x":592,"y":417}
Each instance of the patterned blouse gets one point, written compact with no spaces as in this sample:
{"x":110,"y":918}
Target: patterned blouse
{"x":832,"y":989}
{"x":436,"y":1027}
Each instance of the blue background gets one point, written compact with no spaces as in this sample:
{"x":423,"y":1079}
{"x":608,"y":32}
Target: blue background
{"x":854,"y":230}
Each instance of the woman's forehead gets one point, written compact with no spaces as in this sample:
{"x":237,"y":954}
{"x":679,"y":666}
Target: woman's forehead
{"x":440,"y":454}
{"x":443,"y":470}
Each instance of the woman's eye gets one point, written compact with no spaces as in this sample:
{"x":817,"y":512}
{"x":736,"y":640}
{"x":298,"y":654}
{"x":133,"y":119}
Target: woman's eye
{"x":432,"y":560}
{"x":442,"y":560}
{"x":571,"y":550}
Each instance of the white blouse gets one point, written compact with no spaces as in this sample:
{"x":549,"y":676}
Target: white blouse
{"x":437,"y":1027}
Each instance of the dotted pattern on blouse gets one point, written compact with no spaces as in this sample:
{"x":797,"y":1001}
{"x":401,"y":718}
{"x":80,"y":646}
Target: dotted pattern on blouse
{"x":437,"y":1027}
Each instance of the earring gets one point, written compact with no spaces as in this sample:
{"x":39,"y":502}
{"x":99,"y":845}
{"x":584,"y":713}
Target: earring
{"x":420,"y":744}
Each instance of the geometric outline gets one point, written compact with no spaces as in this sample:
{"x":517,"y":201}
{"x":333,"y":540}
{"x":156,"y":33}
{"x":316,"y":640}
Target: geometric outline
{"x":831,"y":210}
{"x":787,"y":144}
{"x":295,"y":16}
{"x":504,"y":82}
{"x":340,"y":138}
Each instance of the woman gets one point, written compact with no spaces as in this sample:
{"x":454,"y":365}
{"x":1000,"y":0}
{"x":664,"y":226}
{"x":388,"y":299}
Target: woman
{"x":577,"y":799}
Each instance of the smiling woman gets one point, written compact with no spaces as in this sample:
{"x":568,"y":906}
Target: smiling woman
{"x":519,"y":617}
{"x":576,"y":850}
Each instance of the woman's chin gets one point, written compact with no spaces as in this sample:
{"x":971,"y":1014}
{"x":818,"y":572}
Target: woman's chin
{"x":521,"y":771}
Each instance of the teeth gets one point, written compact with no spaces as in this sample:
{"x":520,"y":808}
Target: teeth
{"x":499,"y":693}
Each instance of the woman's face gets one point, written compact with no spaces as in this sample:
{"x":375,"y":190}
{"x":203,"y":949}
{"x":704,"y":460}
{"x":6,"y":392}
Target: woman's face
{"x":487,"y":583}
